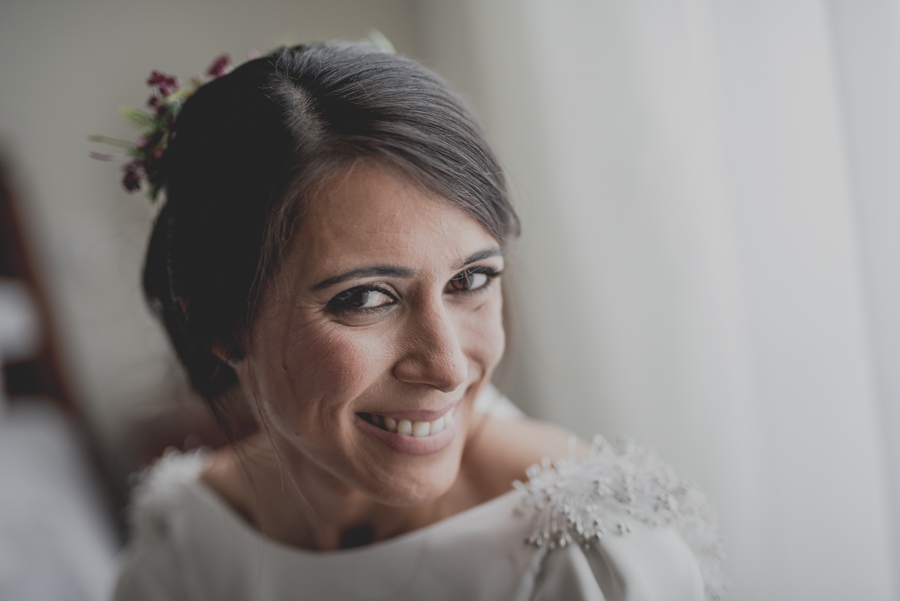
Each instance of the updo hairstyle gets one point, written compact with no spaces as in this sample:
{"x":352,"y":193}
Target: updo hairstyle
{"x":251,"y":148}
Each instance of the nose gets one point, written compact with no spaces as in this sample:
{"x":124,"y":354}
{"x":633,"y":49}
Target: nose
{"x":432,"y":353}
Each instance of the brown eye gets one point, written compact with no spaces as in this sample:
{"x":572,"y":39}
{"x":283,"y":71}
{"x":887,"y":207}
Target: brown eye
{"x":360,"y":299}
{"x":469,"y":281}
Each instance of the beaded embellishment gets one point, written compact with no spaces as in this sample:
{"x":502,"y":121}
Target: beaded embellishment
{"x":581,"y":501}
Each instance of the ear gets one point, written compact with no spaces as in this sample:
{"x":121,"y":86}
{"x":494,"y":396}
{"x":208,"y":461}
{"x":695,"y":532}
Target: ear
{"x":226,"y":353}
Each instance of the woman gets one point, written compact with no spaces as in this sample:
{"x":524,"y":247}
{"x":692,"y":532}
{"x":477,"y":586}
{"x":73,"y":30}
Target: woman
{"x":329,"y":255}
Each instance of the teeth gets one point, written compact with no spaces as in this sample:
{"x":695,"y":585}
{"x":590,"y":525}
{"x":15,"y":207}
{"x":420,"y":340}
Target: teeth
{"x":409,"y":428}
{"x":437,"y":425}
{"x":421,"y":429}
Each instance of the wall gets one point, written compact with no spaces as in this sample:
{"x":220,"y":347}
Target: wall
{"x":66,"y":68}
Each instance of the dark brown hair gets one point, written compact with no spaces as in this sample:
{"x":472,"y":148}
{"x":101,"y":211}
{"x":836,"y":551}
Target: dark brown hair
{"x":249,"y":148}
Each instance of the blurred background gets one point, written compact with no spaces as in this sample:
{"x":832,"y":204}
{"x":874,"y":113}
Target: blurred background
{"x":710,"y":260}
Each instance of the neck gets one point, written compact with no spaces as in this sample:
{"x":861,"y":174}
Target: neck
{"x":295,"y":501}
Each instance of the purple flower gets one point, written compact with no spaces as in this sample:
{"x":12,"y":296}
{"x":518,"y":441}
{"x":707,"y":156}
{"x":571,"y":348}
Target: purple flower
{"x":220,"y":66}
{"x":132,"y":178}
{"x":148,"y":154}
{"x":151,"y":141}
{"x":164,"y":84}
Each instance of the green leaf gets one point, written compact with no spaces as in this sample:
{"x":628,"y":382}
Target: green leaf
{"x":153,"y":193}
{"x":138,"y":117}
{"x":180,"y":95}
{"x":111,"y":141}
{"x":379,"y":40}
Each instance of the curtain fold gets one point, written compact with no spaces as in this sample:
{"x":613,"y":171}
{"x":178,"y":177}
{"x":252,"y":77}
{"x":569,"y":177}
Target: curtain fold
{"x":694,"y":269}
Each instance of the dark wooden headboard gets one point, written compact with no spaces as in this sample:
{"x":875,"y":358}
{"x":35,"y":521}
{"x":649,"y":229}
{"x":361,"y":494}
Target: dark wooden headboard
{"x":44,"y":375}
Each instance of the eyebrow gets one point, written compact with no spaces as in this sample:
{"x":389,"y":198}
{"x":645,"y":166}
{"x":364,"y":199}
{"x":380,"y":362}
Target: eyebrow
{"x":366,"y":272}
{"x":482,"y":254}
{"x":371,"y":271}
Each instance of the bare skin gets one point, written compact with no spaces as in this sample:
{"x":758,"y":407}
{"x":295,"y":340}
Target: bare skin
{"x":387,"y":304}
{"x":274,"y":505}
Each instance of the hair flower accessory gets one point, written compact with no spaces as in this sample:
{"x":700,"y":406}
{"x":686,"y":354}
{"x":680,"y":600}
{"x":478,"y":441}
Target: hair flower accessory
{"x":146,"y":164}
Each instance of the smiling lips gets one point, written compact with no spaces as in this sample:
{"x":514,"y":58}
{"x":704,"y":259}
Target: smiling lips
{"x":405,"y":434}
{"x":406,"y":427}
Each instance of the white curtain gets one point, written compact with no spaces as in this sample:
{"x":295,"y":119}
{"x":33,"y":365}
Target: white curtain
{"x":710,"y":262}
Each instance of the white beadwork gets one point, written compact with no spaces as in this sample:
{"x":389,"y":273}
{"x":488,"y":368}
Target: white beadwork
{"x":581,"y":501}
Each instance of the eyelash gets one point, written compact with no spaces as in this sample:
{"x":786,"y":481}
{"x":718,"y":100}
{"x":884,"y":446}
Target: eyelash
{"x":490,"y":272}
{"x":339,"y":304}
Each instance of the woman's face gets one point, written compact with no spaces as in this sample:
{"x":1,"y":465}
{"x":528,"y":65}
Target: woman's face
{"x":381,"y":327}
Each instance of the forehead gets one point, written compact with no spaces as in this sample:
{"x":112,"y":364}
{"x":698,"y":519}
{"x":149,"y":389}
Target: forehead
{"x":372,"y":213}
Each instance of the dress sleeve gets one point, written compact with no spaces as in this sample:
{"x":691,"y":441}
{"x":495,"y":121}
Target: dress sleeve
{"x":650,"y":564}
{"x":620,"y":525}
{"x":151,"y":573}
{"x":154,"y":569}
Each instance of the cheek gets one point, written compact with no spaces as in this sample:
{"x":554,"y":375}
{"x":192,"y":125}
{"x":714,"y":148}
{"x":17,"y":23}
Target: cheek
{"x":309,"y":376}
{"x":327,"y":366}
{"x":485,"y":332}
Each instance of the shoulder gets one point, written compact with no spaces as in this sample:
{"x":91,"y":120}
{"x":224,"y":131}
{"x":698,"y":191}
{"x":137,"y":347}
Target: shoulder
{"x":504,"y":442}
{"x":153,"y":564}
{"x":160,"y":491}
{"x":627,"y":519}
{"x":500,"y":451}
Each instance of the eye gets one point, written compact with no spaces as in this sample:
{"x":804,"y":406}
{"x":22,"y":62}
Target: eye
{"x":362,"y":299}
{"x":472,"y":280}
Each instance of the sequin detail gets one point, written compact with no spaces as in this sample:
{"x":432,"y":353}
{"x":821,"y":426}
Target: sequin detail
{"x":581,"y":501}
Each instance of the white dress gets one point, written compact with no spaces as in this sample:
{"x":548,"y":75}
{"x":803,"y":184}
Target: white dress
{"x":618,"y":525}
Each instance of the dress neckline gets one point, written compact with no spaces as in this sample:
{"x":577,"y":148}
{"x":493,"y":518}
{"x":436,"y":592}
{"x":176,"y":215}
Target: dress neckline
{"x":209,"y":497}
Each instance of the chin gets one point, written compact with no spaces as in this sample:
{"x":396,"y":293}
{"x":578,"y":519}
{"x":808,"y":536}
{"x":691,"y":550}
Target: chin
{"x":409,"y":487}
